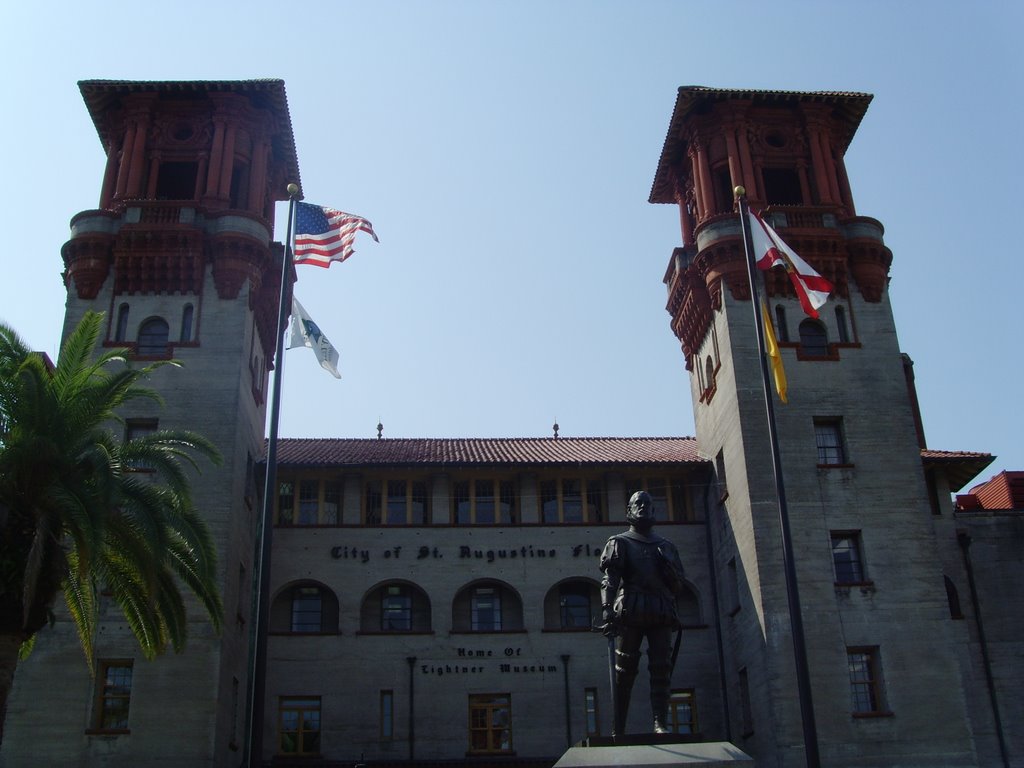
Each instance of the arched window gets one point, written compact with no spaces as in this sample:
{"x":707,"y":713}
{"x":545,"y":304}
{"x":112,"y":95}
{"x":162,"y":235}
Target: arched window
{"x":152,"y":341}
{"x":186,"y":322}
{"x":813,"y":338}
{"x":395,"y":607}
{"x":709,"y":368}
{"x":572,"y":605}
{"x":304,"y":608}
{"x":487,"y":606}
{"x":781,"y":329}
{"x":122,"y":323}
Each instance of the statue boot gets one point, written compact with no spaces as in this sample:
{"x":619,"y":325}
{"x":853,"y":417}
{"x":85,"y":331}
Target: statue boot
{"x":626,"y":665}
{"x":660,"y":681}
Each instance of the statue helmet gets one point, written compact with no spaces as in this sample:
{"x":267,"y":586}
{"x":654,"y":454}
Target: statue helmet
{"x":640,"y":511}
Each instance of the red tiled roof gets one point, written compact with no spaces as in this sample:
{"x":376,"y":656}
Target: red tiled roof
{"x":1003,"y":491}
{"x":313,"y":452}
{"x":849,"y":105}
{"x":960,"y":466}
{"x":266,"y":92}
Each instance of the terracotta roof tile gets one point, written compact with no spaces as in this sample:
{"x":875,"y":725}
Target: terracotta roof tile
{"x":312,"y":452}
{"x":959,"y":466}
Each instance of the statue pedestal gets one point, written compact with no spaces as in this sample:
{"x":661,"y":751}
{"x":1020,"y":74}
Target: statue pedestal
{"x":653,"y":751}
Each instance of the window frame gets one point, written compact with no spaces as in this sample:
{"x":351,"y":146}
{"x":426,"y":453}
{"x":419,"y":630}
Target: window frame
{"x":855,"y":564}
{"x":379,"y":494}
{"x":108,"y":691}
{"x":300,"y":705}
{"x":150,"y":347}
{"x":680,"y":698}
{"x":502,"y":498}
{"x":868,"y":690}
{"x":327,"y":489}
{"x":575,"y":589}
{"x":831,"y":452}
{"x":489,"y":704}
{"x":553,"y":489}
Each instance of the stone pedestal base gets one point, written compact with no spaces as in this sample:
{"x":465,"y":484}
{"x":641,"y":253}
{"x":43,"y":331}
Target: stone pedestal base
{"x":707,"y":754}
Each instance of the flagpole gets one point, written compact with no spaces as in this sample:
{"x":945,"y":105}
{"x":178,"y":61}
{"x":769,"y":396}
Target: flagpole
{"x":253,"y":749}
{"x":803,"y":678}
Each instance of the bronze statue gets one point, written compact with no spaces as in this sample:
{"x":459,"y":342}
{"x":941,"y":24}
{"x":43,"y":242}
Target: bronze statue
{"x":642,"y":577}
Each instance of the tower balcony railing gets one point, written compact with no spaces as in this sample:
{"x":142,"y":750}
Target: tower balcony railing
{"x":170,"y":214}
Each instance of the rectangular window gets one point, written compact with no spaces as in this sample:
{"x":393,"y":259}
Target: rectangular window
{"x":307,"y":610}
{"x":113,"y":695}
{"x":846,"y":557}
{"x":387,"y":715}
{"x":590,"y":711}
{"x":332,"y":503}
{"x":490,"y":723}
{"x":485,"y":610}
{"x":397,"y":506}
{"x":285,"y":502}
{"x":373,"y":502}
{"x":571,"y":500}
{"x":682,"y":712}
{"x":483,"y":501}
{"x":299,"y":725}
{"x":865,"y":680}
{"x":309,"y":502}
{"x":666,"y":507}
{"x":828,"y":434}
{"x":396,"y":609}
{"x":135,"y":429}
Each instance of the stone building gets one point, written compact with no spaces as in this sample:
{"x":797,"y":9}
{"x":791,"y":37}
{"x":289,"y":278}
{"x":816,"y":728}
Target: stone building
{"x":430,"y":600}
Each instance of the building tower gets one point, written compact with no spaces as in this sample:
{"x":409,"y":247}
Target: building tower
{"x":179,"y":255}
{"x":884,"y":670}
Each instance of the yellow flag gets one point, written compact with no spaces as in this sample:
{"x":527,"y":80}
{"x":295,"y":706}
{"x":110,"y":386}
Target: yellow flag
{"x":772,"y":347}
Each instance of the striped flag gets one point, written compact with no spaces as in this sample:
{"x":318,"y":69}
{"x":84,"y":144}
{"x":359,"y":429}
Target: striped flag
{"x":323,"y":235}
{"x":769,"y":250}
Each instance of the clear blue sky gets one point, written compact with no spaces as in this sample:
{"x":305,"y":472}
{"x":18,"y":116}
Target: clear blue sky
{"x":504,"y":153}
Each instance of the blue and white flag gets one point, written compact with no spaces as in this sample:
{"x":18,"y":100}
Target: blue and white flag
{"x":306,"y":333}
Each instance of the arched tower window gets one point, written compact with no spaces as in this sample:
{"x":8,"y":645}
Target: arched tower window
{"x":813,"y":338}
{"x":844,"y":331}
{"x":953,"y":599}
{"x":186,"y":322}
{"x":781,"y":329}
{"x":709,"y":371}
{"x":153,"y":335}
{"x":121,"y":331}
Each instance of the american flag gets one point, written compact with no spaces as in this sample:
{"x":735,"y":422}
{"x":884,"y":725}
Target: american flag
{"x":323,"y":235}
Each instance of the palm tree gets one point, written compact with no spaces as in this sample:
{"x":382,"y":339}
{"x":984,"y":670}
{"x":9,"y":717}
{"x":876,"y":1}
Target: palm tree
{"x":82,"y":510}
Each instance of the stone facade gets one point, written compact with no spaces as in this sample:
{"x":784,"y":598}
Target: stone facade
{"x":431,"y":600}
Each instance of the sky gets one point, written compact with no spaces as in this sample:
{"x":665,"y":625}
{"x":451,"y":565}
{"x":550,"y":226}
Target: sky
{"x":505,"y":153}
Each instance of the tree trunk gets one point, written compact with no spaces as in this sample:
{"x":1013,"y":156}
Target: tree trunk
{"x":9,"y":646}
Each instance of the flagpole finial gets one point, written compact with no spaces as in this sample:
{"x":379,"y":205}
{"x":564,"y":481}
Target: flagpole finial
{"x":738,"y":191}
{"x":293,"y":189}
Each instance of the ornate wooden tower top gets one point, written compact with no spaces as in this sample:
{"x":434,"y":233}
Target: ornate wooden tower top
{"x":786,"y":148}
